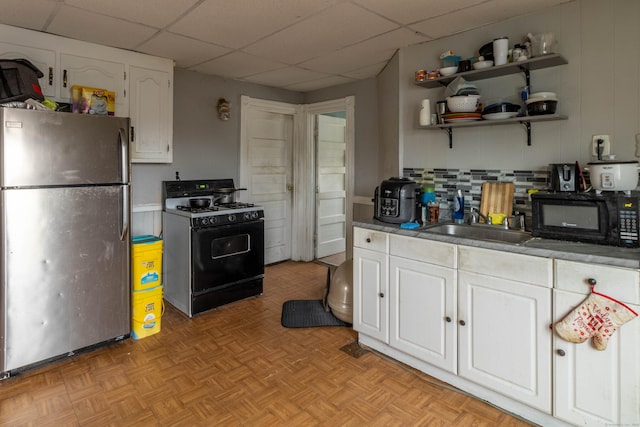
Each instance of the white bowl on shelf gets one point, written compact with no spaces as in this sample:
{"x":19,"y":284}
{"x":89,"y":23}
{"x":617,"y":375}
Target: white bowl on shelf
{"x":463,"y":103}
{"x":447,"y":71}
{"x":482,"y":64}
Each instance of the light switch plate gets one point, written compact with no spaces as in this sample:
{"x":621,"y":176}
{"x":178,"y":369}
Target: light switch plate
{"x":606,"y":145}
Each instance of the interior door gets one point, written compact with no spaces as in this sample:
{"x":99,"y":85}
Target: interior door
{"x":269,"y":162}
{"x":331,"y":193}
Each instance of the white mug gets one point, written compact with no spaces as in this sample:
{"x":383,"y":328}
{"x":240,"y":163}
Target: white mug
{"x":500,"y":50}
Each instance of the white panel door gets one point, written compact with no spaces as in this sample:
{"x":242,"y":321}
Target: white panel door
{"x":331,"y":184}
{"x":151,"y":115}
{"x":91,"y":72}
{"x":44,"y":59}
{"x":504,"y":340}
{"x":270,"y":165}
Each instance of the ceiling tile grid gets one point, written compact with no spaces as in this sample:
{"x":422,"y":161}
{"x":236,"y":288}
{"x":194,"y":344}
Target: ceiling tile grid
{"x":299,"y":45}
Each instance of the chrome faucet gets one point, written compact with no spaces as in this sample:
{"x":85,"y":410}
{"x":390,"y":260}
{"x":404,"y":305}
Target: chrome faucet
{"x":516,"y":217}
{"x":475,"y":215}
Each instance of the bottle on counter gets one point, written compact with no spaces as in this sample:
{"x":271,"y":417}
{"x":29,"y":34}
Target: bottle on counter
{"x":458,"y":208}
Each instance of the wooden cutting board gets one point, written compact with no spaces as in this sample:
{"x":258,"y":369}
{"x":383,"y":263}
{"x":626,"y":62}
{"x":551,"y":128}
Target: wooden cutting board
{"x":497,"y":197}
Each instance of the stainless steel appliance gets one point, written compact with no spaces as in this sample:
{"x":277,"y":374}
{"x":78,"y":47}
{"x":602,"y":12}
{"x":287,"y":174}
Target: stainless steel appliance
{"x":214,"y":253}
{"x":608,"y":218}
{"x":396,"y":201}
{"x":65,"y":248}
{"x":563,"y":177}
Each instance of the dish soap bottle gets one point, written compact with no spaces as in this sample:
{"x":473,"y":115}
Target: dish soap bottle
{"x":458,"y":208}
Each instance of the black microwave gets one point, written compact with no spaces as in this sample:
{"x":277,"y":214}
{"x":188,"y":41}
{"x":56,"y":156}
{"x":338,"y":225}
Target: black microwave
{"x":608,"y":218}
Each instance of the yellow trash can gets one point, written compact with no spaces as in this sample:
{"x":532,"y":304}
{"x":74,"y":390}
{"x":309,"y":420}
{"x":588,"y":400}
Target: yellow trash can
{"x":146,"y":313}
{"x":146,"y":268}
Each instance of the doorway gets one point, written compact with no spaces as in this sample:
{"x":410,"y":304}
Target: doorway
{"x":293,"y":196}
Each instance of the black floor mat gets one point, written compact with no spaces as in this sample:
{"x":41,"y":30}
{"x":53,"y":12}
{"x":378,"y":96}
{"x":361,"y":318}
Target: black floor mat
{"x":308,"y":314}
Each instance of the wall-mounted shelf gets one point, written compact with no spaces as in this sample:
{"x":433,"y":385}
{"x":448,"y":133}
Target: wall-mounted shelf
{"x":536,"y":63}
{"x":525,"y":67}
{"x":525,"y":121}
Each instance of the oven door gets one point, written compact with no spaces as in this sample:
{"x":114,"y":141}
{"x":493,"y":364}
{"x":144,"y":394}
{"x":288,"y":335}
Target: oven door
{"x":226,"y":254}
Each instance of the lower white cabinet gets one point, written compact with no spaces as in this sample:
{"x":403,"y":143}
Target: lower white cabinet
{"x":482,"y":320}
{"x":422,"y":311}
{"x":504,"y":341}
{"x":370,"y":299}
{"x":593,"y":387}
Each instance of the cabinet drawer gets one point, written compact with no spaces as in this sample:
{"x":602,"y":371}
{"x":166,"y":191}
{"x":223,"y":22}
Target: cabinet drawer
{"x":370,"y":239}
{"x":510,"y":266}
{"x":620,"y":283}
{"x":430,"y":251}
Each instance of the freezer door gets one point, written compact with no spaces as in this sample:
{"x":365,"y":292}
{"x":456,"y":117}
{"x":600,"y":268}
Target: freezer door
{"x":65,"y":271}
{"x":44,"y":148}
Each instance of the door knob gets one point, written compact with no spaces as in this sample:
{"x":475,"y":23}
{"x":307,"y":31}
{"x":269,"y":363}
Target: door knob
{"x":462,"y":323}
{"x":560,"y":352}
{"x":289,"y":187}
{"x":381,"y":295}
{"x":448,"y":319}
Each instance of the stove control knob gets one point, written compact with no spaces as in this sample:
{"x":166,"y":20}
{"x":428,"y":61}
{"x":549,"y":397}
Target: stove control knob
{"x":213,"y":220}
{"x":232,"y":218}
{"x":205,"y":221}
{"x":247,"y":215}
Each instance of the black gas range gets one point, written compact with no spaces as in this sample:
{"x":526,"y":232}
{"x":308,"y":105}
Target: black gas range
{"x":213,"y":255}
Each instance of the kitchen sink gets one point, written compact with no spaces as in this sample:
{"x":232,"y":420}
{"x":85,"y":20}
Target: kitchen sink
{"x":493,"y":233}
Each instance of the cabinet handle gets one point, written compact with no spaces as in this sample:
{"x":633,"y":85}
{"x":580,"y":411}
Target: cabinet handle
{"x":591,"y":281}
{"x":560,"y":352}
{"x":132,"y":136}
{"x":368,"y":239}
{"x":448,"y":319}
{"x":462,"y":322}
{"x":64,"y":78}
{"x":50,"y":76}
{"x":381,"y":295}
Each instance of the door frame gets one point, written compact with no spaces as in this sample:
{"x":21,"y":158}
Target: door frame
{"x":304,"y":195}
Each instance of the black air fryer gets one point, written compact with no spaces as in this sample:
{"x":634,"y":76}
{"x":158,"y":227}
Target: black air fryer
{"x":396,"y":201}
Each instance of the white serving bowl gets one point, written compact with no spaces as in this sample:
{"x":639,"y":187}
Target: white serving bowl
{"x":447,"y":71}
{"x":482,"y":64}
{"x":543,"y":95}
{"x":462,"y":103}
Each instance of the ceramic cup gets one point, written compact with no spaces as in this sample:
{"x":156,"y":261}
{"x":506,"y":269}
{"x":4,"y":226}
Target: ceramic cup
{"x":500,"y":50}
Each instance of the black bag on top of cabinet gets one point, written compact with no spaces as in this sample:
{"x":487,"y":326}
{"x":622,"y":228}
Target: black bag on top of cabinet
{"x":19,"y":80}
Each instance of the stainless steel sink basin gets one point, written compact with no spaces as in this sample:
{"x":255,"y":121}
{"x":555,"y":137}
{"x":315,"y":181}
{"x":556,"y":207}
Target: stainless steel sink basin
{"x":492,"y":233}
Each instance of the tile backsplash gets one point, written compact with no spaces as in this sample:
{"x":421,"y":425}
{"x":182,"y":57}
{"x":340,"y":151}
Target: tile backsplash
{"x":448,"y":181}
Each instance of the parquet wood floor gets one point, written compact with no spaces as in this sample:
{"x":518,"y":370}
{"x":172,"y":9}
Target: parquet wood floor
{"x":237,"y":366}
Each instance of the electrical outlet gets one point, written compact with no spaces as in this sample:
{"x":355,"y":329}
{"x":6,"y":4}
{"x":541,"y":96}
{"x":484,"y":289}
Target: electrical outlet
{"x":605,"y":146}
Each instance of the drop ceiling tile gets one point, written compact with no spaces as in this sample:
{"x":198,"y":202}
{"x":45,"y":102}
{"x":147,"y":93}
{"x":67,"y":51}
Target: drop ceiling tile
{"x":88,"y":26}
{"x":27,"y":13}
{"x":408,"y":11}
{"x":348,"y":24}
{"x":237,"y":65}
{"x":366,"y":72}
{"x":373,"y":51}
{"x":319,"y":84}
{"x":285,"y":76}
{"x":147,"y":12}
{"x":185,"y":51}
{"x":239,"y":23}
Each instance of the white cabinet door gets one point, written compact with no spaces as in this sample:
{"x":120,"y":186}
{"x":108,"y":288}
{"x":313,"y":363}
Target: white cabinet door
{"x":422,"y":311}
{"x":592,"y":387}
{"x":44,"y":59}
{"x":370,"y":299}
{"x":504,"y":338}
{"x":92,"y":72}
{"x":151,"y":111}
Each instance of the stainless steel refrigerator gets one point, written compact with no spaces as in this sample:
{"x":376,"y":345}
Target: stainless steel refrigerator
{"x":64,"y":229}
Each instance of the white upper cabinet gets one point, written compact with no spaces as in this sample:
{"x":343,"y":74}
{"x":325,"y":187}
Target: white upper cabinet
{"x":150,"y":109}
{"x":143,"y":84}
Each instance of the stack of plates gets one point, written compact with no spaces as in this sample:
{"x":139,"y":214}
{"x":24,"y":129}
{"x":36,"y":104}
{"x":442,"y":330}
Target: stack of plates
{"x":461,"y":117}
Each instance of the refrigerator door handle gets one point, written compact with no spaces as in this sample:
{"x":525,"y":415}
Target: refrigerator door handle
{"x":124,"y":154}
{"x":124,"y":215}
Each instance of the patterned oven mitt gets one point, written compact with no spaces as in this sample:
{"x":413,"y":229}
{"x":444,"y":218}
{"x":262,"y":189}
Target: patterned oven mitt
{"x":598,"y":316}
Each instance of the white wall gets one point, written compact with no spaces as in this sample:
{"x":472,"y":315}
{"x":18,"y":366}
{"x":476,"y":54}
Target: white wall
{"x":598,"y":89}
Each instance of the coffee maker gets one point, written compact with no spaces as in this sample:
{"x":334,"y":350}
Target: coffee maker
{"x":563,"y":177}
